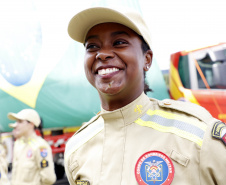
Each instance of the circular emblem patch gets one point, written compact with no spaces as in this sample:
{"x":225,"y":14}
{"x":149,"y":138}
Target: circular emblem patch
{"x":154,"y":168}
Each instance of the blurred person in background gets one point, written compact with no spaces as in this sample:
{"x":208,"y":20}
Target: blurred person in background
{"x":3,"y":165}
{"x":32,"y":155}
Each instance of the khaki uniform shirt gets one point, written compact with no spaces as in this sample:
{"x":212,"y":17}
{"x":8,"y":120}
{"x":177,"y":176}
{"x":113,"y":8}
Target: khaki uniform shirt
{"x":32,"y":162}
{"x":106,"y":150}
{"x":3,"y":166}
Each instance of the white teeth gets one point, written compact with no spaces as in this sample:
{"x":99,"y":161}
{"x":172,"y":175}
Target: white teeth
{"x":107,"y":71}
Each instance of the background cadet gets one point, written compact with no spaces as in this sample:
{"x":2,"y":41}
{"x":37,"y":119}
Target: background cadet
{"x":3,"y":165}
{"x":134,"y":139}
{"x":32,"y":155}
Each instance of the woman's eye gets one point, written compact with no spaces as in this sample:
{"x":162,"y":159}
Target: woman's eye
{"x":91,"y":46}
{"x":119,"y":42}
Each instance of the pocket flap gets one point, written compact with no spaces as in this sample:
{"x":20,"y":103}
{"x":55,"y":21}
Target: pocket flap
{"x":73,"y":166}
{"x":178,"y":157}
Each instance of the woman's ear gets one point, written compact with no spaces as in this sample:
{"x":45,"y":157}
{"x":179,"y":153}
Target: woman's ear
{"x":148,"y":60}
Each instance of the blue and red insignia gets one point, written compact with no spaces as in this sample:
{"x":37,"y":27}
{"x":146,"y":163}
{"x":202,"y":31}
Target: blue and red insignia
{"x":154,"y":168}
{"x":43,"y":152}
{"x":219,"y":131}
{"x":29,"y":153}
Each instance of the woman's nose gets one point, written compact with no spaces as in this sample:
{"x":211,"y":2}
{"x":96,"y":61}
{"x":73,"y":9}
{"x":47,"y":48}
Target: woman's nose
{"x":104,"y":55}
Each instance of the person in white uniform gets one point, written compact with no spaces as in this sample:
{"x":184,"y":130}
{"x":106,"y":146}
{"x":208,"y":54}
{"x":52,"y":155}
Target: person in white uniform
{"x":32,"y":155}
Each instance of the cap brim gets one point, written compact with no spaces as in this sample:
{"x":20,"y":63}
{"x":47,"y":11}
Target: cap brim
{"x":82,"y":22}
{"x":13,"y":116}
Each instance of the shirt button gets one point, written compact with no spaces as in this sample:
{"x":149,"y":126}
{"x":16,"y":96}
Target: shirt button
{"x":167,"y":102}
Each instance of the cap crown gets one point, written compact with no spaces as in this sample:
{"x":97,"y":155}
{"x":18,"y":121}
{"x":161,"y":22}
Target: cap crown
{"x":26,"y":114}
{"x":83,"y":21}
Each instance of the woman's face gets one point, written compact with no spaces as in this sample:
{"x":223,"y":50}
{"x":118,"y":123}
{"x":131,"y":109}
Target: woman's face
{"x":115,"y":62}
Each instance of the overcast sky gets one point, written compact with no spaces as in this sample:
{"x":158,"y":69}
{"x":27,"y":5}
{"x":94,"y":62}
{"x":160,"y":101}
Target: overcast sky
{"x":183,"y":25}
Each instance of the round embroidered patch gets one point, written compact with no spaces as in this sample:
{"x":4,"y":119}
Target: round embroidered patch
{"x":154,"y":168}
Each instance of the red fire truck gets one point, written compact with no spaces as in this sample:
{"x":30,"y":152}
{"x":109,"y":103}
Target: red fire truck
{"x":199,"y":76}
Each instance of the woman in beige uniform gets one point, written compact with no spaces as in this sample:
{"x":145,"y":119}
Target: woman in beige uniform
{"x":32,"y":155}
{"x":135,"y":139}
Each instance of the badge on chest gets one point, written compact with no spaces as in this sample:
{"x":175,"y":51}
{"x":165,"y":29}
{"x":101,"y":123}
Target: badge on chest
{"x":82,"y":182}
{"x":154,"y":168}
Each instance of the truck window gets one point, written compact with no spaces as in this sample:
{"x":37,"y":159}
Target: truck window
{"x":213,"y":67}
{"x":207,"y":70}
{"x":183,"y":70}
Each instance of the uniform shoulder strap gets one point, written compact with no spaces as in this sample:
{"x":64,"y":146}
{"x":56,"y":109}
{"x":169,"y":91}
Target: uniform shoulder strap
{"x":187,"y":107}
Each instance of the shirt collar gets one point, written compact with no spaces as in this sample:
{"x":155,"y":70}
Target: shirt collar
{"x":130,"y":112}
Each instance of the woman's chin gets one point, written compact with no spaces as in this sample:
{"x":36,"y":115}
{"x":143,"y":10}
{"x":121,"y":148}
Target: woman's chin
{"x":109,"y":90}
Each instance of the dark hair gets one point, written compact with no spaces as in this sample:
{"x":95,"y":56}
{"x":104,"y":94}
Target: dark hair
{"x":40,"y":128}
{"x":145,"y":47}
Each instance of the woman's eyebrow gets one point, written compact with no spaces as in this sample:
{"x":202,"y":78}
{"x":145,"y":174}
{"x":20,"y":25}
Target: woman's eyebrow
{"x":90,"y":37}
{"x":112,"y":34}
{"x":119,"y":33}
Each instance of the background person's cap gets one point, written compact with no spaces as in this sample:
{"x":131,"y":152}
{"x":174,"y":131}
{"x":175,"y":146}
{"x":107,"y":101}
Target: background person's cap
{"x":83,"y":21}
{"x":25,"y":114}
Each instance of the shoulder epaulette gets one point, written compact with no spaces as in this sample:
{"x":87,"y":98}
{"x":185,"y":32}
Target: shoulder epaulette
{"x":187,"y":107}
{"x":33,"y":143}
{"x":183,"y":119}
